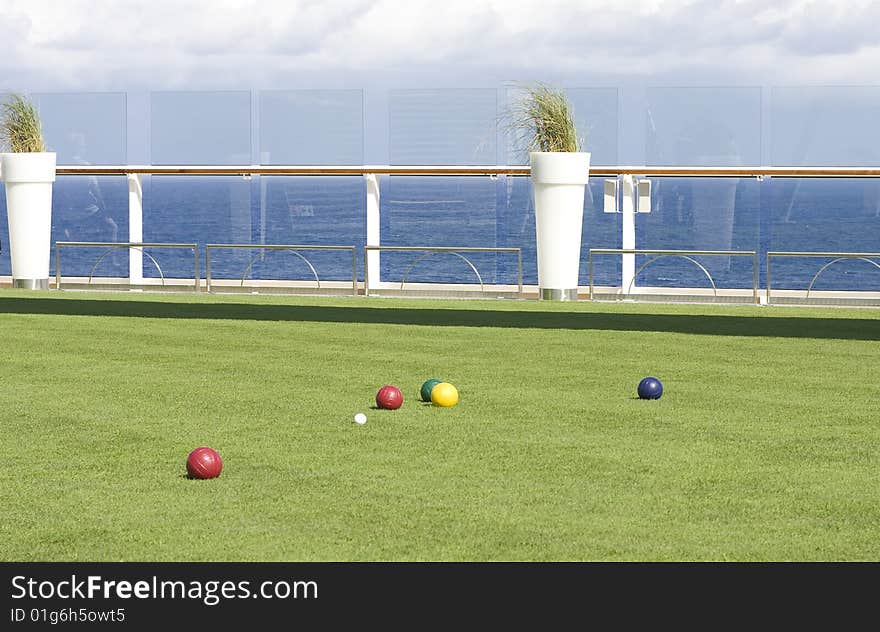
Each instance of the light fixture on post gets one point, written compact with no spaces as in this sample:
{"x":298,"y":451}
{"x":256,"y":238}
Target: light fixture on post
{"x":634,"y":196}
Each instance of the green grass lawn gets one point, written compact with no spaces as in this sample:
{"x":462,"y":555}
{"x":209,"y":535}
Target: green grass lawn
{"x":764,"y":446}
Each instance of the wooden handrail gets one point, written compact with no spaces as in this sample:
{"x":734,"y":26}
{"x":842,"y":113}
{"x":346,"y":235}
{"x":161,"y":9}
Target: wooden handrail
{"x":427,"y":170}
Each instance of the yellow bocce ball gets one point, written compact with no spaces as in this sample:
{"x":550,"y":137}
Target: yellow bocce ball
{"x":444,"y":394}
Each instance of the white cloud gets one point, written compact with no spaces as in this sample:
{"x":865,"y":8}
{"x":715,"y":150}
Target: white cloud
{"x":165,"y":44}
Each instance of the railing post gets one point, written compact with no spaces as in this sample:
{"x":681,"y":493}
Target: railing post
{"x":135,"y":228}
{"x":628,"y":234}
{"x":371,"y":267}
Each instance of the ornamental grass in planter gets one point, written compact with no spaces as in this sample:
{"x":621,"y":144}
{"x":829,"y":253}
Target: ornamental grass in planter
{"x":542,"y":120}
{"x":28,"y":171}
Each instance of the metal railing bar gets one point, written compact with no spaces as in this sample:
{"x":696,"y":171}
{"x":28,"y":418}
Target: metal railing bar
{"x":441,"y":249}
{"x":651,"y":251}
{"x":838,"y":256}
{"x":133,"y":244}
{"x":109,"y":250}
{"x":774,"y":253}
{"x":291,"y":251}
{"x":111,"y":245}
{"x":449,"y":249}
{"x":429,"y":254}
{"x":292,"y":248}
{"x":822,"y":269}
{"x":691,"y":259}
{"x":680,"y":253}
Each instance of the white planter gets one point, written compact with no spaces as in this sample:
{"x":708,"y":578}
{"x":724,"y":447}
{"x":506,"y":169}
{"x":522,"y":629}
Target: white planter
{"x":558,"y":181}
{"x":29,"y":178}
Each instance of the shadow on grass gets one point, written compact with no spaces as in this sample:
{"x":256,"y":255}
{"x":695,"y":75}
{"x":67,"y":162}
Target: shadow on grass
{"x":721,"y":325}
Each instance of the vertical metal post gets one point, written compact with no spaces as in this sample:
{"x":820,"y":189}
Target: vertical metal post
{"x":354,"y":271}
{"x":755,"y":278}
{"x":57,"y":267}
{"x":366,"y":270}
{"x":590,"y":268}
{"x":371,"y":268}
{"x":135,"y":228}
{"x":196,"y":258}
{"x":519,"y":270}
{"x":628,"y":233}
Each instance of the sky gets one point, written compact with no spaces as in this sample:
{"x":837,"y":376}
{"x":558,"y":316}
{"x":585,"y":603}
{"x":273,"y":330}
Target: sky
{"x":772,"y":53}
{"x":66,"y":45}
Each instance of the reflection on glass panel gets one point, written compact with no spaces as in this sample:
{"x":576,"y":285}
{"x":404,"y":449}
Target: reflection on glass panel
{"x":91,"y":208}
{"x":437,"y":211}
{"x":825,"y":126}
{"x":84,"y":128}
{"x":292,"y":210}
{"x":427,"y":266}
{"x":596,"y":120}
{"x":190,"y":209}
{"x":481,"y":212}
{"x":443,"y":127}
{"x":700,"y":214}
{"x":200,"y":128}
{"x":301,"y":210}
{"x":600,"y":230}
{"x":703,"y":127}
{"x":825,"y":215}
{"x":516,"y":222}
{"x":312,"y":127}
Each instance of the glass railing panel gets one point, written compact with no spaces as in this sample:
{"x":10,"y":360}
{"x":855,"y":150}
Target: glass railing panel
{"x":311,"y":127}
{"x":90,"y":208}
{"x":84,"y":208}
{"x":825,"y":126}
{"x":304,"y":210}
{"x":515,"y":214}
{"x":195,"y":209}
{"x":700,"y":214}
{"x":825,"y":215}
{"x":599,"y":230}
{"x":703,"y":126}
{"x":482,"y":212}
{"x":84,"y":128}
{"x":443,"y":127}
{"x":437,"y":211}
{"x":200,"y":128}
{"x":291,"y":210}
{"x":462,"y":267}
{"x":595,"y":117}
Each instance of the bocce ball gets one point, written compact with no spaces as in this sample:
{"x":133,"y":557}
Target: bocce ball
{"x":650,"y":388}
{"x":204,"y":462}
{"x":389,"y":397}
{"x":444,"y":394}
{"x":427,"y":387}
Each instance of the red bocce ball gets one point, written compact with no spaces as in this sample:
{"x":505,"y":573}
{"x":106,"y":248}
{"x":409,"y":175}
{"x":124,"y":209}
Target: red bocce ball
{"x":204,"y":462}
{"x":389,"y":397}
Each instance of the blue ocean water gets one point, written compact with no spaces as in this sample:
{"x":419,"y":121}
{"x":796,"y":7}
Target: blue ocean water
{"x":781,"y":214}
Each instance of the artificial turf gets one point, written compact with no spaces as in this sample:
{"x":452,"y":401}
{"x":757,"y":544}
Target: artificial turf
{"x":764,"y":446}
